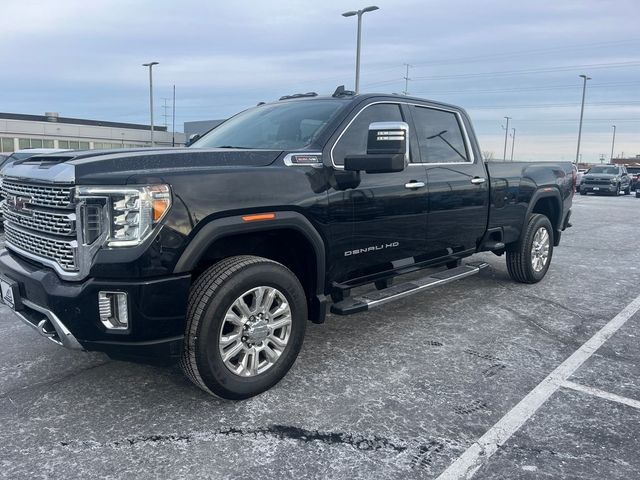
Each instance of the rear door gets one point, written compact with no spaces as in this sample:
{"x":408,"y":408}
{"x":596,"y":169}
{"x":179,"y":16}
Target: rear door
{"x":457,"y":179}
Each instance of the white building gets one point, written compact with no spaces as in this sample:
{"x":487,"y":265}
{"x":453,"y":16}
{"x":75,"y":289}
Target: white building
{"x":18,"y":131}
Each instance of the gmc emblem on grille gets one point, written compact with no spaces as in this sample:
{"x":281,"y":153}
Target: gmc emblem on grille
{"x":19,"y":204}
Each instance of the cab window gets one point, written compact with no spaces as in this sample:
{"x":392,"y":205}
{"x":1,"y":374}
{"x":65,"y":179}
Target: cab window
{"x":440,"y":136}
{"x":354,"y":139}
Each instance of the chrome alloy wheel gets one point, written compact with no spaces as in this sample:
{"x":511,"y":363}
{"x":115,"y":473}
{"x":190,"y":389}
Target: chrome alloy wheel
{"x":255,"y":331}
{"x":540,"y":249}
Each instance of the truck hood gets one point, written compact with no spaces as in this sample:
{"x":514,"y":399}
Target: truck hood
{"x":116,"y":166}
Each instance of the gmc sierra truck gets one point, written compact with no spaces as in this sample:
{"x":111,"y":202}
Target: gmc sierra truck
{"x":217,"y":255}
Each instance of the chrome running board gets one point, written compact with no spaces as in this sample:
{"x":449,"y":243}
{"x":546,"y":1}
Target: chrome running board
{"x":376,"y":298}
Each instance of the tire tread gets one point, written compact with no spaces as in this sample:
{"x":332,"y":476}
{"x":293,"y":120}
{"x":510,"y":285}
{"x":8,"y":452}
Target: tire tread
{"x":518,"y":256}
{"x":201,"y":292}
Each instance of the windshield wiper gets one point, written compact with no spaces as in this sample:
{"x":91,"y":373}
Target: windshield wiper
{"x":233,"y":146}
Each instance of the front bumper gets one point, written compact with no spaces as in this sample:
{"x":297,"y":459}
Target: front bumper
{"x":598,"y":188}
{"x":67,"y":312}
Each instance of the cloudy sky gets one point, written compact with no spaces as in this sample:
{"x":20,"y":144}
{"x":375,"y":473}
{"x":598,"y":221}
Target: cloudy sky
{"x":495,"y":58}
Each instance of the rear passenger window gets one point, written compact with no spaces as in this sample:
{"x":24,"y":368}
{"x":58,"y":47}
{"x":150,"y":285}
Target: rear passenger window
{"x":439,"y":136}
{"x":354,"y":139}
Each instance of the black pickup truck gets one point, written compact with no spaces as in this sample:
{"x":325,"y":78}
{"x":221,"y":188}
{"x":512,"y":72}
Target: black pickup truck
{"x":216,"y":255}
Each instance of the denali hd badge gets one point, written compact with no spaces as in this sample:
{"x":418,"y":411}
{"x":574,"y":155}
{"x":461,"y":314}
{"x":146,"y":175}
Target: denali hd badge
{"x":372,"y":248}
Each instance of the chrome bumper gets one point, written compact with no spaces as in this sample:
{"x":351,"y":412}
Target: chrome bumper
{"x":47,"y":324}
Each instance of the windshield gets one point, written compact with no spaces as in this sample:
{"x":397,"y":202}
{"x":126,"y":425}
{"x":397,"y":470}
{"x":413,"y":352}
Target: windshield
{"x":605,"y":170}
{"x":278,"y":126}
{"x":16,"y":156}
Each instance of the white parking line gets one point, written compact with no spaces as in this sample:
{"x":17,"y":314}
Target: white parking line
{"x":478,"y":453}
{"x":602,"y":394}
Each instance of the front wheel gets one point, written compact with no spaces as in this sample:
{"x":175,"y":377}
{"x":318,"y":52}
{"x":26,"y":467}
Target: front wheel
{"x":528,"y":259}
{"x":245,"y":327}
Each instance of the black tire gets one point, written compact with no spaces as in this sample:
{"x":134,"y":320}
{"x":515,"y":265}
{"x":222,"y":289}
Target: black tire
{"x":212,"y":294}
{"x":519,"y":262}
{"x":582,"y":192}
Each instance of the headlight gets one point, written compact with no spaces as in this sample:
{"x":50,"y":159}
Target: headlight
{"x":132,"y":212}
{"x":614,"y":180}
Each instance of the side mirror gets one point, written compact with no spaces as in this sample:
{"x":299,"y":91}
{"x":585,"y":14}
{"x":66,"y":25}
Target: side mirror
{"x":387,"y":149}
{"x":192,"y":138}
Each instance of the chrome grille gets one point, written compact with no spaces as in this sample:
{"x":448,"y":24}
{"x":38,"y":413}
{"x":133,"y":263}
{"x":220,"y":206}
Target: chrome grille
{"x":63,"y":252}
{"x":41,"y":195}
{"x":597,"y":181}
{"x":42,"y":221}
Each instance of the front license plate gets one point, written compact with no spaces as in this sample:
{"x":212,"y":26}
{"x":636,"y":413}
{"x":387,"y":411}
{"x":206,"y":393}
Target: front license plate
{"x":596,"y":188}
{"x":9,"y":293}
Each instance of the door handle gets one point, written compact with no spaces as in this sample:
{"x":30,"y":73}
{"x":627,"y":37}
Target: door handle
{"x":478,"y":180}
{"x":412,"y":185}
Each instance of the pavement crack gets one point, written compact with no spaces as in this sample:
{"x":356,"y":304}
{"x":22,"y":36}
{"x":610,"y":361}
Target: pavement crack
{"x":51,"y":381}
{"x":547,"y":301}
{"x":280,"y":432}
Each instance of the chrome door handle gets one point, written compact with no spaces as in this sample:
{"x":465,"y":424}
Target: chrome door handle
{"x":413,"y":185}
{"x":478,"y":180}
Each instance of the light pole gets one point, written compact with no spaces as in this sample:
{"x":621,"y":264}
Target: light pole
{"x":513,"y":142}
{"x":359,"y":13}
{"x":506,"y":136}
{"x":613,"y":142}
{"x":150,"y":65}
{"x":584,"y":90}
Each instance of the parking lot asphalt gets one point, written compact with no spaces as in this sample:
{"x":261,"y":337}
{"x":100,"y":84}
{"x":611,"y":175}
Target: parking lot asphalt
{"x":399,"y":392}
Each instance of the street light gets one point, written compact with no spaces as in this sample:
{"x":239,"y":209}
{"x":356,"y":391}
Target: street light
{"x":506,"y":136}
{"x":513,"y":142}
{"x":613,"y":141}
{"x":150,"y":65}
{"x":584,"y":89}
{"x":359,"y":13}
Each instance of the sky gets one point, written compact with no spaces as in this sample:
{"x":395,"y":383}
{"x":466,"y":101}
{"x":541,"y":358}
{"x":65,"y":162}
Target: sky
{"x":494,"y":58}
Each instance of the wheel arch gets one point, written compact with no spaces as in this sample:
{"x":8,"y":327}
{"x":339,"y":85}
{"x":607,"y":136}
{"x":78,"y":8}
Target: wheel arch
{"x":547,"y":201}
{"x":289,"y":238}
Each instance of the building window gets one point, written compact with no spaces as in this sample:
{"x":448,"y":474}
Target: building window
{"x":24,"y":143}
{"x":6,"y":144}
{"x":84,"y":145}
{"x":47,"y":143}
{"x":73,"y":145}
{"x":63,"y":143}
{"x":36,"y":143}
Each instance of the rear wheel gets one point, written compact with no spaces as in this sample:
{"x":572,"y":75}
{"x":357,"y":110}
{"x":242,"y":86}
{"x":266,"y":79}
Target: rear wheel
{"x":582,"y":192}
{"x":528,"y":259}
{"x":245,"y":327}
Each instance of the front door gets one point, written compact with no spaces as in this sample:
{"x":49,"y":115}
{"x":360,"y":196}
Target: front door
{"x":381,"y":223}
{"x":458,"y":184}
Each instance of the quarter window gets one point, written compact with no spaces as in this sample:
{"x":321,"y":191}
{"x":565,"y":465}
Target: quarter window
{"x":354,"y":139}
{"x":439,"y":136}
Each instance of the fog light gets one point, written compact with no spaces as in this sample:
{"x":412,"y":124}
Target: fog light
{"x":113,"y":310}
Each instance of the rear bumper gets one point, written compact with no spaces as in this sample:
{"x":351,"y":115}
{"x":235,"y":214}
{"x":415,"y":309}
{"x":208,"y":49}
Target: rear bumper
{"x":67,"y":312}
